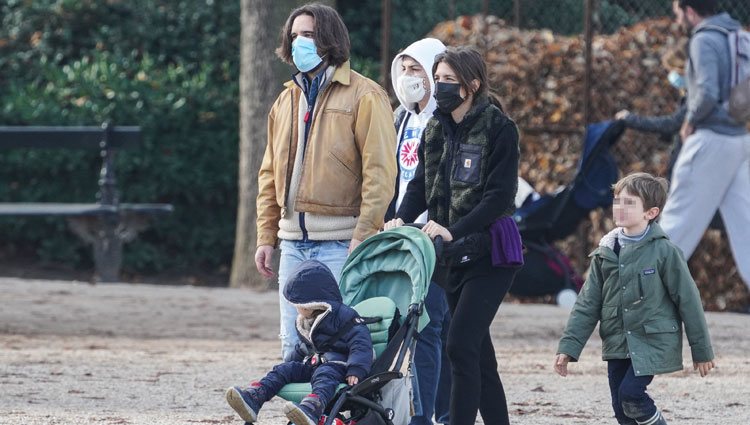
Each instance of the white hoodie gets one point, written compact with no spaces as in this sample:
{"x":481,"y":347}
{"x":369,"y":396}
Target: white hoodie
{"x":410,"y":130}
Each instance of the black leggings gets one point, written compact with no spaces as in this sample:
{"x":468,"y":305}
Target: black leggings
{"x":476,"y":383}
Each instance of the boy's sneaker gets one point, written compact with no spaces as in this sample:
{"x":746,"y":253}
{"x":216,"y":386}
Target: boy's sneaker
{"x":307,"y":412}
{"x":246,"y":402}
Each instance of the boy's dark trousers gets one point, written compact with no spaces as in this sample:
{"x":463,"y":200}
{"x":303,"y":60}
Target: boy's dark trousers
{"x":324,"y":378}
{"x":629,"y":398}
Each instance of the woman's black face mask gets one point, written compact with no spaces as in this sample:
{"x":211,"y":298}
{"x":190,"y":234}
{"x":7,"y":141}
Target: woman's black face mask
{"x":448,"y":96}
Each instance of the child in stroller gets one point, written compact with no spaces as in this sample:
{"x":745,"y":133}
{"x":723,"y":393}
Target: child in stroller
{"x":385,"y":279}
{"x":335,"y":346}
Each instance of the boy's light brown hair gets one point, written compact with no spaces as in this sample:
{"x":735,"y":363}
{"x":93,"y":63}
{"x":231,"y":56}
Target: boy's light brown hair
{"x":651,"y":190}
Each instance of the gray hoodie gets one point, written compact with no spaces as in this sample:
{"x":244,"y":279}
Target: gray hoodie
{"x":708,"y":77}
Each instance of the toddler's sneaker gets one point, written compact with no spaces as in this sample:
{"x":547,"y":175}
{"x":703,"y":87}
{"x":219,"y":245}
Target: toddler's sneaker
{"x":246,"y":402}
{"x":307,"y":412}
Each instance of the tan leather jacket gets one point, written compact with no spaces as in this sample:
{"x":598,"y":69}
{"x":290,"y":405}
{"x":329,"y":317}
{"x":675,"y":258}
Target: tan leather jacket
{"x":349,"y":167}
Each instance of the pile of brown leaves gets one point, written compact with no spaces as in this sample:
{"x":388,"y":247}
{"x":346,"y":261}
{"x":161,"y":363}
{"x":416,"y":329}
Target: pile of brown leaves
{"x":539,"y":76}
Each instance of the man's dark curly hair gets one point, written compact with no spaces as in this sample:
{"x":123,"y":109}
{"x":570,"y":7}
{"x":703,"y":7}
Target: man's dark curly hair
{"x":330,"y":34}
{"x":701,"y":7}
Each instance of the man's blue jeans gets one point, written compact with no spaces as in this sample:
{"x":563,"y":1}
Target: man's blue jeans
{"x":432,"y":368}
{"x":331,"y":253}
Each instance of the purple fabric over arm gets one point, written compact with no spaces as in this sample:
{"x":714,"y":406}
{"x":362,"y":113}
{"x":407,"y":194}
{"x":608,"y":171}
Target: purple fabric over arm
{"x":507,"y":249}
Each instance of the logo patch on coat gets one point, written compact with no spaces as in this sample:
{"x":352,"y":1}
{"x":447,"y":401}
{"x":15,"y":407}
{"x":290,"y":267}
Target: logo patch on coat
{"x":647,"y":272}
{"x":467,"y":163}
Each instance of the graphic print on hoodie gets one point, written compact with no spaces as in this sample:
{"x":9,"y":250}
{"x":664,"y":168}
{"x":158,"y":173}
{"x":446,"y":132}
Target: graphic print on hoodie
{"x":411,"y":128}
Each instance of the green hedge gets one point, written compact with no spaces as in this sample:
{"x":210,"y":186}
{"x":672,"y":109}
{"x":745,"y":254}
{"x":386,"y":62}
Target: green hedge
{"x":169,"y":67}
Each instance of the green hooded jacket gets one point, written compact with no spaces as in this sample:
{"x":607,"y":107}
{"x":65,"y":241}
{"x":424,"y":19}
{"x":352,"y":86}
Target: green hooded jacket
{"x":640,"y":299}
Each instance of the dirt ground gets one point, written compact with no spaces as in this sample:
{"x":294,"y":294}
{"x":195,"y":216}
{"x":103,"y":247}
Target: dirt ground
{"x":73,"y":353}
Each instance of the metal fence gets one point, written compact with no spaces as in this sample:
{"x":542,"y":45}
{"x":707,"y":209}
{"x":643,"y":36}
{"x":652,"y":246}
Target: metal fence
{"x":590,"y":18}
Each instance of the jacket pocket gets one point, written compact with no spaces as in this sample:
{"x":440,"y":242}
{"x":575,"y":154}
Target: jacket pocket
{"x":334,"y":134}
{"x":468,"y":164}
{"x":688,"y":153}
{"x":341,"y":110}
{"x":664,"y":339}
{"x":640,"y":293}
{"x":608,"y":323}
{"x":341,"y":186}
{"x":649,"y":284}
{"x":345,"y":167}
{"x":661,"y":326}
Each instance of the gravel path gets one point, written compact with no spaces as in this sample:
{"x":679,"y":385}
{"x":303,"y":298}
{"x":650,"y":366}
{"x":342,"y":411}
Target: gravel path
{"x":73,"y":353}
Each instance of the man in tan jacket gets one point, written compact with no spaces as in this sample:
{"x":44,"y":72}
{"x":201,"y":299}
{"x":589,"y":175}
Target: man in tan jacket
{"x":329,"y":170}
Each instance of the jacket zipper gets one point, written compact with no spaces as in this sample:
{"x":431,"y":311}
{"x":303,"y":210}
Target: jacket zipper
{"x":452,"y":147}
{"x":308,"y":123}
{"x":312,"y":328}
{"x":447,"y":183}
{"x":309,"y":117}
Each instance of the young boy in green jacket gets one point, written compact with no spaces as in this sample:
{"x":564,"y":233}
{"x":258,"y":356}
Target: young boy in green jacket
{"x":640,"y":291}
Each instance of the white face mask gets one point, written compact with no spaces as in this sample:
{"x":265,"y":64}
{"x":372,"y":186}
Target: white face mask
{"x":410,"y":88}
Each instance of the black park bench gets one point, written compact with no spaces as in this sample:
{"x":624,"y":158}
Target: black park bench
{"x":105,"y":224}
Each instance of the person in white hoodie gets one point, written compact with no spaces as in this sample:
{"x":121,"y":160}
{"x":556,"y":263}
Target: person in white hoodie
{"x":414,"y":86}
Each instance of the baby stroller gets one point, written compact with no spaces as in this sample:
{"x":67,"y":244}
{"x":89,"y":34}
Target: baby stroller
{"x":547,"y":218}
{"x":386,"y":280}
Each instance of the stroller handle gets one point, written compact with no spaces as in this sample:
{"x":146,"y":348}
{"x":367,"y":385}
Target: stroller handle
{"x":437,"y":242}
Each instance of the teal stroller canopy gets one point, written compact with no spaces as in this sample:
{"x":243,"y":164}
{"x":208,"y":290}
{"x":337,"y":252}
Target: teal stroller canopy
{"x":397,"y":264}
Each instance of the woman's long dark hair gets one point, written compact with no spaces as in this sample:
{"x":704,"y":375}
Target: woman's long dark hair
{"x":468,"y":65}
{"x":330,"y":34}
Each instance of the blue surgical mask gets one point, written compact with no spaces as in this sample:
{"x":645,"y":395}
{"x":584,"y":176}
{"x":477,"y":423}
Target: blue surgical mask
{"x":676,"y":80}
{"x":305,"y":54}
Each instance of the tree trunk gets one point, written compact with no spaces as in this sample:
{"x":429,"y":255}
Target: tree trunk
{"x":261,"y":78}
{"x":256,"y":95}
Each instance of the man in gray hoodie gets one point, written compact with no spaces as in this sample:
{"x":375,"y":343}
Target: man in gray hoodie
{"x":713,"y":169}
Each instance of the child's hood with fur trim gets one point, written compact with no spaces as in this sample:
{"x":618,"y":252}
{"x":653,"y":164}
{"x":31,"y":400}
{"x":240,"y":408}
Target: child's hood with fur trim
{"x":312,"y":285}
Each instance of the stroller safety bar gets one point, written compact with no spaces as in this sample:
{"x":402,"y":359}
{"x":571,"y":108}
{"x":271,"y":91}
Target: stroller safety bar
{"x":374,"y":382}
{"x":370,"y":320}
